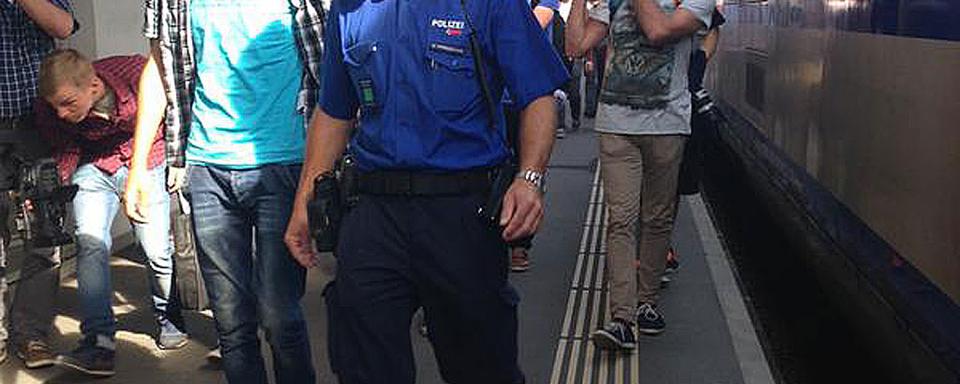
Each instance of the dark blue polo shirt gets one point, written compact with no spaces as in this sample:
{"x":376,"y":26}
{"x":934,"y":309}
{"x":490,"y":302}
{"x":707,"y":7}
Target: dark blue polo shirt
{"x":406,"y":66}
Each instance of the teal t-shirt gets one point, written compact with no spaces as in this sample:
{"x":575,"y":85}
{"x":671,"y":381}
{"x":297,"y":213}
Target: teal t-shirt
{"x":248,"y":76}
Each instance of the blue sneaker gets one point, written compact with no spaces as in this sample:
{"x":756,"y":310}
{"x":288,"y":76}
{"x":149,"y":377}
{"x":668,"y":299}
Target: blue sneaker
{"x":89,"y":359}
{"x":616,"y":335}
{"x":170,"y":337}
{"x":649,"y":321}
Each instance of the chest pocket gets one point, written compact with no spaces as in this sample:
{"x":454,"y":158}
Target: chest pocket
{"x":451,"y":76}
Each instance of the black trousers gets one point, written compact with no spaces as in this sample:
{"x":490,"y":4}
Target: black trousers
{"x":398,"y":253}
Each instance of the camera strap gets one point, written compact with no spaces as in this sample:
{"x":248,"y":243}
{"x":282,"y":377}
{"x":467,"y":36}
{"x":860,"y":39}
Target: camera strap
{"x":480,"y":69}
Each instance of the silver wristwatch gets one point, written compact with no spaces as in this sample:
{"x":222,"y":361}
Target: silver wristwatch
{"x":533,"y":177}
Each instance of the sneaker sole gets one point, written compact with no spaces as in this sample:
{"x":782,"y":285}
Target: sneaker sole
{"x":173,"y":347}
{"x":650,"y":331}
{"x":42,"y":363}
{"x":78,"y":368}
{"x":604,"y":340}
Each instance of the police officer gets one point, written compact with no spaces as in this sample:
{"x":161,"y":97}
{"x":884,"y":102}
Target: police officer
{"x":427,"y":136}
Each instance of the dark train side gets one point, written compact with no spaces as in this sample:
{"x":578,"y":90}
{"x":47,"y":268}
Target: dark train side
{"x":846,"y":116}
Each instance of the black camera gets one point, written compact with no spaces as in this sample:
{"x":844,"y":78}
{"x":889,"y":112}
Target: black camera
{"x":42,"y":203}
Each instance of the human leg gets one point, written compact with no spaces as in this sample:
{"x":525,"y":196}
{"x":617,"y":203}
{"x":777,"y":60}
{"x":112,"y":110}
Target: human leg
{"x":223,"y":236}
{"x":95,"y":205}
{"x":661,"y":159}
{"x":469,"y":304}
{"x":279,"y":280}
{"x":372,"y":301}
{"x":34,"y":306}
{"x":621,"y":171}
{"x":154,"y":238}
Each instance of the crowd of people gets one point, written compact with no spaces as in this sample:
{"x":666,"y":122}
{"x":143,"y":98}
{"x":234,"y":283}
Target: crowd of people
{"x":242,"y":107}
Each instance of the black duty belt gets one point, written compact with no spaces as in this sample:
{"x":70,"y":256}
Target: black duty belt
{"x":424,"y":183}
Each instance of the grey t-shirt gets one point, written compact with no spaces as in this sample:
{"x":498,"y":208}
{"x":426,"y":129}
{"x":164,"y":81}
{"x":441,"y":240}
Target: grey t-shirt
{"x":645,"y":87}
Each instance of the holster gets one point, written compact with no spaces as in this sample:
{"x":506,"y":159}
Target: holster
{"x":334,"y":193}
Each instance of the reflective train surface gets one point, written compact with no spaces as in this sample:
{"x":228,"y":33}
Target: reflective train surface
{"x":846,"y":114}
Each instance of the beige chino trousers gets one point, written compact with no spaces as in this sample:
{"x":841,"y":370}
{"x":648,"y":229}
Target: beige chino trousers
{"x":639,"y":175}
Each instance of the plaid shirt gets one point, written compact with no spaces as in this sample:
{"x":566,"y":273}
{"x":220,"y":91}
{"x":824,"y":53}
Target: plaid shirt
{"x":107,"y":143}
{"x":168,"y":22}
{"x":22,"y":46}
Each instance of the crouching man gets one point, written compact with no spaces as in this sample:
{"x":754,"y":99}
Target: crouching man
{"x":88,"y":113}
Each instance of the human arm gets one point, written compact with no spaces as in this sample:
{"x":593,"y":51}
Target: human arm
{"x":523,"y":206}
{"x":544,"y":11}
{"x":327,"y":137}
{"x":151,"y":107}
{"x":588,"y":63}
{"x":543,"y":15}
{"x":326,"y":140}
{"x":710,"y":42}
{"x":52,"y":19}
{"x":662,"y":28}
{"x":582,"y":32}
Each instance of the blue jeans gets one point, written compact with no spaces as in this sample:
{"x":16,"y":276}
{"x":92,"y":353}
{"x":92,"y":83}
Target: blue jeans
{"x":95,"y":207}
{"x":233,"y":210}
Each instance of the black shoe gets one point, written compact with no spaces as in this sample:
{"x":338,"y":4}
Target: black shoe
{"x":89,"y":359}
{"x":617,"y":335}
{"x":649,"y":321}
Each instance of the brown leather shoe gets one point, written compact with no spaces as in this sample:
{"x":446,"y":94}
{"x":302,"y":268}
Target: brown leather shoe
{"x":36,"y":354}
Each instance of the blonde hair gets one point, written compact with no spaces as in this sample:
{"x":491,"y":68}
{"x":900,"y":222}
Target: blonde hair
{"x":63,"y":66}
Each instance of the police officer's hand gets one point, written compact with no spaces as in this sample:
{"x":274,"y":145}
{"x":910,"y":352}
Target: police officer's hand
{"x":136,"y":196}
{"x":298,"y":238}
{"x":522,"y":210}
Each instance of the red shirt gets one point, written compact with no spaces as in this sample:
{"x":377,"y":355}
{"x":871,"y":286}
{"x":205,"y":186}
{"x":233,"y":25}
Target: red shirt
{"x":108,"y":144}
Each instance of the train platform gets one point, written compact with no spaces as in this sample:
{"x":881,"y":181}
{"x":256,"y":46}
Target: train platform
{"x":710,"y":338}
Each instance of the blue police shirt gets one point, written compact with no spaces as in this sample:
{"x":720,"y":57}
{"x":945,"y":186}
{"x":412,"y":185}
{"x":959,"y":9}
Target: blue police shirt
{"x":407,"y":67}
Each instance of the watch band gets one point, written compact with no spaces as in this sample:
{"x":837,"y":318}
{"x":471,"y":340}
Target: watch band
{"x":533,"y":177}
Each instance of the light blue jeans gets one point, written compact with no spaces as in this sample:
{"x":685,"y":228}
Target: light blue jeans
{"x":95,"y":207}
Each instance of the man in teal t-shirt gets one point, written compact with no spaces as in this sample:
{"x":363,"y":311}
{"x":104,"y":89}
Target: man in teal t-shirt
{"x":240,"y":89}
{"x":244,"y":151}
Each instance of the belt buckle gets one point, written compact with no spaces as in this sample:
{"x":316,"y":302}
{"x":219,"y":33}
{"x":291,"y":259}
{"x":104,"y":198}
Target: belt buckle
{"x":399,"y":183}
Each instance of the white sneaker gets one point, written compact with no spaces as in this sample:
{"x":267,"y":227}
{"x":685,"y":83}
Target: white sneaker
{"x":214,"y":356}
